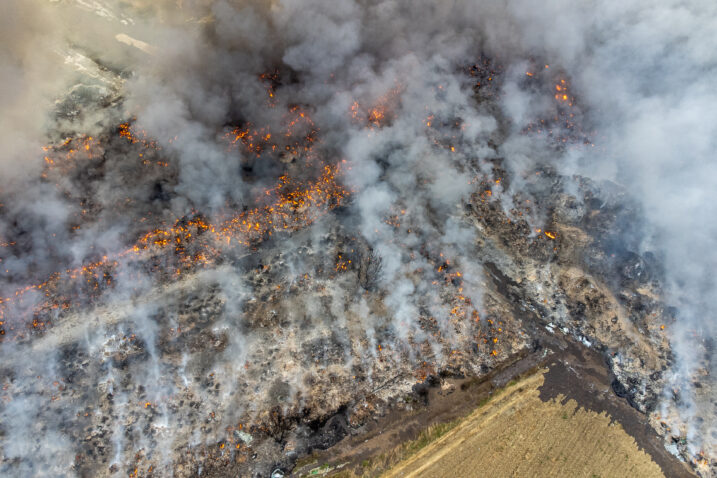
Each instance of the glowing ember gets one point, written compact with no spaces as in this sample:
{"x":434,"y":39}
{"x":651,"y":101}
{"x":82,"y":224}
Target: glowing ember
{"x":194,"y":241}
{"x":381,"y":112}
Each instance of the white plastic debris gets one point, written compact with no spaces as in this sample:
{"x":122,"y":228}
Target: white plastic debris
{"x":245,"y":437}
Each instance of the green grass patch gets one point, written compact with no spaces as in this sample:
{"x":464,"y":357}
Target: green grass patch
{"x":307,"y":460}
{"x":429,"y":435}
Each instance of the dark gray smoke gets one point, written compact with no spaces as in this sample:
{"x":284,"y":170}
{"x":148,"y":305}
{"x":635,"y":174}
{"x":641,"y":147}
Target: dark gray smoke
{"x":643,"y":72}
{"x":391,"y":102}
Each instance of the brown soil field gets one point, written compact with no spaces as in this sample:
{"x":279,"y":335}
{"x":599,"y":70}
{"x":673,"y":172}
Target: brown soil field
{"x":518,"y":434}
{"x":549,"y":412}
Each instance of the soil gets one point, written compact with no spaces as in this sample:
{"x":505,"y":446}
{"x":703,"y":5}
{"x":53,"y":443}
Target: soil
{"x":558,"y":378}
{"x":517,"y":434}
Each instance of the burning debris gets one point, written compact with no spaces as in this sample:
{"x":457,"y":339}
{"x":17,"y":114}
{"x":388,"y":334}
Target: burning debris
{"x":222,"y":270}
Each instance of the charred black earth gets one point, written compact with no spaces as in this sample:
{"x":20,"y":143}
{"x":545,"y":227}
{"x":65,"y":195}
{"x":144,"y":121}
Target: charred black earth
{"x":240,"y":247}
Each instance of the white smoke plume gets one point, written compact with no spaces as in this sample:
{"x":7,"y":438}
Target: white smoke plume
{"x":381,"y":89}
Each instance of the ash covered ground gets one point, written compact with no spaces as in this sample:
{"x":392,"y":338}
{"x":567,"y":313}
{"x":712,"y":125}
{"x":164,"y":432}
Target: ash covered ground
{"x":249,"y":228}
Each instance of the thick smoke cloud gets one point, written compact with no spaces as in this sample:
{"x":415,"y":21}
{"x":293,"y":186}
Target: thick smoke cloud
{"x":643,"y":72}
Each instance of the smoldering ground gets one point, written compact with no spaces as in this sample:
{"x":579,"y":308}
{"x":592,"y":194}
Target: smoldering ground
{"x":206,"y":131}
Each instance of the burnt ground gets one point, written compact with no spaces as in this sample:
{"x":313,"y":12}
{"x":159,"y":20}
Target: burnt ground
{"x":579,"y":373}
{"x":200,"y":383}
{"x":244,"y":368}
{"x":574,"y":372}
{"x":292,"y":345}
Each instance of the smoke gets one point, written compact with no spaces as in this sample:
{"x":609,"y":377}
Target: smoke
{"x":226,"y":99}
{"x":643,"y":73}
